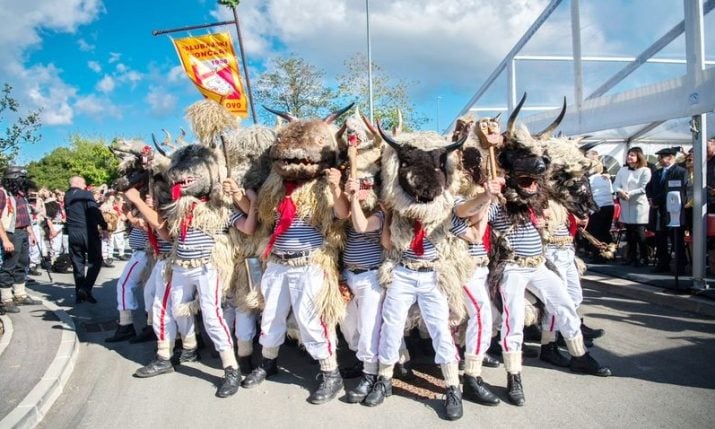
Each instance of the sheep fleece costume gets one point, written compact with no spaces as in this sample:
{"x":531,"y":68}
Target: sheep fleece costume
{"x":454,"y":264}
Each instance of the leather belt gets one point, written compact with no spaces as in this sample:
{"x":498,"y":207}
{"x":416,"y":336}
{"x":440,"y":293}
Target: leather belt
{"x":293,"y":255}
{"x":417,"y":269}
{"x":361,"y":270}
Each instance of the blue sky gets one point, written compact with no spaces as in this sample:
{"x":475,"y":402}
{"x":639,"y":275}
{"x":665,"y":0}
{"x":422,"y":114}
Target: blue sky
{"x":95,"y":69}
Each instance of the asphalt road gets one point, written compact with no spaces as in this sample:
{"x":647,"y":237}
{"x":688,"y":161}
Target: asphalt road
{"x":662,"y":361}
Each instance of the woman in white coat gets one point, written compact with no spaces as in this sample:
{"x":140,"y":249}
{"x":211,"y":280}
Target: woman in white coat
{"x":629,"y":186}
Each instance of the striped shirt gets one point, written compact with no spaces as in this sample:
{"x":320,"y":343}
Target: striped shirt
{"x":474,"y":249}
{"x":459,"y":227}
{"x":364,"y":250}
{"x":300,"y":236}
{"x":197,"y":244}
{"x":164,"y":246}
{"x":524,"y":239}
{"x":138,"y":239}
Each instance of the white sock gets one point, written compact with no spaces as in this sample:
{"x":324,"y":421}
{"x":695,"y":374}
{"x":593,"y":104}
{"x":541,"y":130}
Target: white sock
{"x":328,"y":365}
{"x":270,"y":352}
{"x":125,"y":317}
{"x":473,"y":364}
{"x":228,"y":359}
{"x":450,"y":372}
{"x":245,"y":348}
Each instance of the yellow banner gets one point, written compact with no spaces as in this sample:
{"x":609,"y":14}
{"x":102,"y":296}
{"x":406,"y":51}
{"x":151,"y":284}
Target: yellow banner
{"x":210,"y":63}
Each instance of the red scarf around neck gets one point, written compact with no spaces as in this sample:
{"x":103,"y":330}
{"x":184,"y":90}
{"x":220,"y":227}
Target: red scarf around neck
{"x":286,"y":213}
{"x":417,"y":244}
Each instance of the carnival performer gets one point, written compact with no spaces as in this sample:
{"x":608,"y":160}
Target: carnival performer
{"x":301,"y":201}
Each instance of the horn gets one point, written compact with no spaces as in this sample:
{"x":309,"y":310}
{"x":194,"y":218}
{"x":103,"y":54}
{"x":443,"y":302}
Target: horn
{"x":285,"y":115}
{"x":398,"y":128}
{"x":341,"y":131}
{"x":590,"y":145}
{"x":546,"y":133}
{"x":387,"y":138}
{"x":336,"y":114}
{"x":156,"y":145}
{"x":456,"y":145}
{"x":180,"y":140}
{"x":512,"y":118}
{"x":496,"y":118}
{"x":369,"y":126}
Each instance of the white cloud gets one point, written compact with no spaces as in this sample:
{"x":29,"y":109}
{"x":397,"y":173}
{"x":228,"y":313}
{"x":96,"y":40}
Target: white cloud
{"x":40,"y":85}
{"x":85,"y":46}
{"x":94,"y":66}
{"x":97,"y":107}
{"x":161,"y":102}
{"x":106,"y":84}
{"x":176,"y":74}
{"x":114,"y":57}
{"x":121,"y":68}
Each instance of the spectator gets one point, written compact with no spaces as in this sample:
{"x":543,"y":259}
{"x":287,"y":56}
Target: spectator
{"x":599,"y":224}
{"x":629,"y":185}
{"x":16,"y":240}
{"x":670,"y":177}
{"x":83,"y":222}
{"x":54,"y":224}
{"x":710,"y":179}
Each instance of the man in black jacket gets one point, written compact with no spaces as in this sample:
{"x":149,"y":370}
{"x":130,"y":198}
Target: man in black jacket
{"x":84,"y":219}
{"x":671,"y":177}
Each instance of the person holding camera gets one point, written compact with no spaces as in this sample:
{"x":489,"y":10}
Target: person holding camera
{"x":17,"y":237}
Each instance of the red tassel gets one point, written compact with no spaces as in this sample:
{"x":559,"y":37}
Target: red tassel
{"x":573,"y":227}
{"x":487,"y":238}
{"x":176,"y":192}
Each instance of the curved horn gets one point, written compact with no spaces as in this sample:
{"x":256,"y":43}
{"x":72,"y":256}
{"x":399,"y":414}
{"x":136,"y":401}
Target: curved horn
{"x":590,"y":145}
{"x":369,"y":126}
{"x":512,"y":118}
{"x":398,"y":128}
{"x":496,"y":118}
{"x":156,"y":145}
{"x":285,"y":115}
{"x":387,"y":138}
{"x":456,"y":145}
{"x":546,"y":133}
{"x":180,"y":139}
{"x":336,"y":114}
{"x":341,"y":131}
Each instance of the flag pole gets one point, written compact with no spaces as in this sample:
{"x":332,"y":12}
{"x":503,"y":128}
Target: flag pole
{"x":245,"y":66}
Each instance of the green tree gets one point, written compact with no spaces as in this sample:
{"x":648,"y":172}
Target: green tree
{"x":292,"y":85}
{"x":388,"y":94}
{"x":90,"y":159}
{"x":18,"y":128}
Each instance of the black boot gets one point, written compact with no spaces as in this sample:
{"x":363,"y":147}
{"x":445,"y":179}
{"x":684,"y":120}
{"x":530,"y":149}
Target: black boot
{"x":9,"y":307}
{"x":514,"y":390}
{"x":156,"y":367}
{"x":189,"y":355}
{"x":123,"y":333}
{"x":403,"y":371}
{"x":268,"y":367}
{"x":380,"y":390}
{"x":490,"y":361}
{"x":329,"y":387}
{"x":231,"y":381}
{"x":532,"y":334}
{"x":475,"y":390}
{"x":453,"y":403}
{"x":586,"y":364}
{"x":362,"y":389}
{"x":494,"y":347}
{"x":147,"y":334}
{"x":589,"y":333}
{"x":354,"y":371}
{"x":550,"y":353}
{"x":245,"y":365}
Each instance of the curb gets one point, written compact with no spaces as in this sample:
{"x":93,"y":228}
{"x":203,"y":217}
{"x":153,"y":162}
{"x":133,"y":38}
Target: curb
{"x":38,"y":402}
{"x":7,"y":336}
{"x":631,"y":289}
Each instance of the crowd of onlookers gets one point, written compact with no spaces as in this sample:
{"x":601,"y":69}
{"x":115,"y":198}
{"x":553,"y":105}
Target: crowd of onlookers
{"x":633,"y":205}
{"x":48,"y":220}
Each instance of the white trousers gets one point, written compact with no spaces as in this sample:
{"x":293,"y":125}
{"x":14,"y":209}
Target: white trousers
{"x":479,"y":308}
{"x":204,"y":281}
{"x":367,"y":310}
{"x":130,"y":280}
{"x":243,"y":324}
{"x":39,"y":248}
{"x":407,"y":288}
{"x":287,"y":287}
{"x":564,"y":259}
{"x":57,"y":242}
{"x":164,"y":322}
{"x":546,"y":286}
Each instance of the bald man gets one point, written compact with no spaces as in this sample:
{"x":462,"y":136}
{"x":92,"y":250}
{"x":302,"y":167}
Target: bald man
{"x":84,"y":220}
